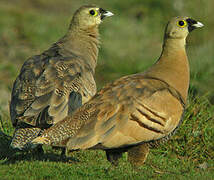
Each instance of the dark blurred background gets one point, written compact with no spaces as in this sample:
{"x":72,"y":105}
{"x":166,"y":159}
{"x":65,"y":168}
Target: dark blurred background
{"x":131,"y":40}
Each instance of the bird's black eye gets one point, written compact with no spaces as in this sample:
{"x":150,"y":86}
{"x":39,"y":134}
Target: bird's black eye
{"x":182,"y":23}
{"x":93,"y":12}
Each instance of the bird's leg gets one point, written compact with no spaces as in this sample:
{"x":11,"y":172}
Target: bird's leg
{"x":137,"y":155}
{"x":40,"y":149}
{"x":113,"y":156}
{"x":63,"y":152}
{"x":38,"y":152}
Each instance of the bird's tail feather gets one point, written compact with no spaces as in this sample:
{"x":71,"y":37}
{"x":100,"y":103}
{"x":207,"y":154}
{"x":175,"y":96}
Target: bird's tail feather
{"x":23,"y":136}
{"x":40,"y":140}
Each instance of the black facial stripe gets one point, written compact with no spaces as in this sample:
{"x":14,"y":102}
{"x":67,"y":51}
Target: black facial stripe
{"x":191,"y":21}
{"x":102,"y":12}
{"x":190,"y":24}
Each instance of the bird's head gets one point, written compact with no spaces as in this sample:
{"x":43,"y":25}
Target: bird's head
{"x":90,"y":16}
{"x":179,"y":27}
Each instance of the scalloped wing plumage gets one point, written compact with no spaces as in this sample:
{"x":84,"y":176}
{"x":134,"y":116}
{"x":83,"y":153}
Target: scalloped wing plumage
{"x":52,"y":88}
{"x":42,"y":97}
{"x":130,"y":111}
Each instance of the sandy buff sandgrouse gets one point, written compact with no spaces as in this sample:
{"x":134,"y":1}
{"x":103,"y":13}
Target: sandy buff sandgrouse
{"x":135,"y":110}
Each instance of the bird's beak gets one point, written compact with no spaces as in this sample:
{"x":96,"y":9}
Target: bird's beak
{"x":192,"y":24}
{"x":105,"y":13}
{"x":198,"y":25}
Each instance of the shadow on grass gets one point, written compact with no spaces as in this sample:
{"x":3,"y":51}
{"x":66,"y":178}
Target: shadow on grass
{"x":10,"y":156}
{"x":5,"y":151}
{"x":30,"y":156}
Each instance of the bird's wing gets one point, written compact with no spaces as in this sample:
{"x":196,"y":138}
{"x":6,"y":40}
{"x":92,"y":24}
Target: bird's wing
{"x":132,"y":110}
{"x":48,"y":91}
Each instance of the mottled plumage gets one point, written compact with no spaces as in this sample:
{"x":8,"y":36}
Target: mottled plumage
{"x":52,"y":85}
{"x":133,"y":111}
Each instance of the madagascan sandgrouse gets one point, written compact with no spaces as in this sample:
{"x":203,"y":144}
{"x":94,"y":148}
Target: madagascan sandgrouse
{"x":135,"y":110}
{"x":50,"y":86}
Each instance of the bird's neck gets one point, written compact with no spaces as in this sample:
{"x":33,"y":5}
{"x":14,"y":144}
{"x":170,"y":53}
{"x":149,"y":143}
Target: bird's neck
{"x":173,"y":66}
{"x":83,"y":43}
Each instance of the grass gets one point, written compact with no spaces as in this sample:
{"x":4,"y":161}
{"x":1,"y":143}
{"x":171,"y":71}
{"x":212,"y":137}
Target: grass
{"x":180,"y":158}
{"x":131,"y":41}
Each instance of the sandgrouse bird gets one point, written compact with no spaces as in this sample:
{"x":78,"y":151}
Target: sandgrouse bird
{"x":52,"y":85}
{"x":135,"y":110}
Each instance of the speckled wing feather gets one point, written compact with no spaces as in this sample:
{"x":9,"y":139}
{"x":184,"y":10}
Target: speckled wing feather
{"x":45,"y":88}
{"x":46,"y":91}
{"x":132,"y":110}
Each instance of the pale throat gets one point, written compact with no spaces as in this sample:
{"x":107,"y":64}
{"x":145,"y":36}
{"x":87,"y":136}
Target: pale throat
{"x":173,"y":66}
{"x":172,"y":45}
{"x":177,"y":64}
